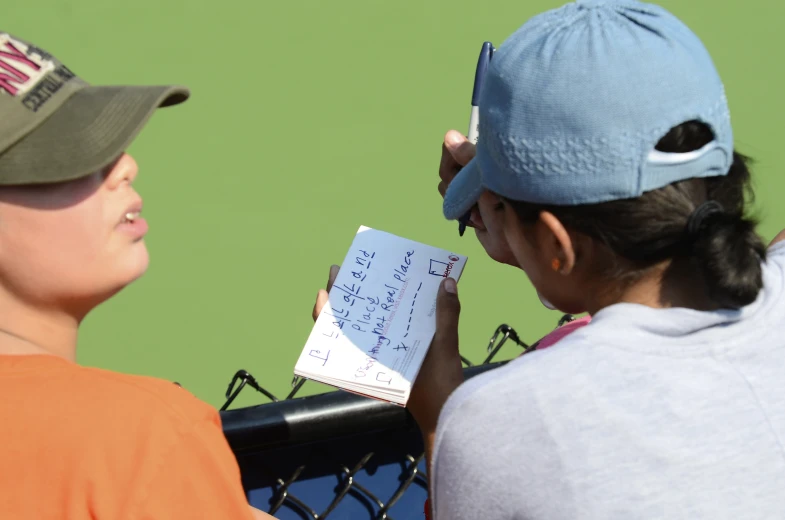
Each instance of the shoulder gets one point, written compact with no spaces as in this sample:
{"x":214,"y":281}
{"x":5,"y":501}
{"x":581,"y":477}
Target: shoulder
{"x":156,"y":450}
{"x":517,"y":388}
{"x":517,"y":379}
{"x":136,"y":411}
{"x":504,"y":415}
{"x":131,"y":438}
{"x":532,"y":392}
{"x":161,"y":396}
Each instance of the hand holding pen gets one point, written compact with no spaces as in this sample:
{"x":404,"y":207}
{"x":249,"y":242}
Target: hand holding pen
{"x":486,"y":53}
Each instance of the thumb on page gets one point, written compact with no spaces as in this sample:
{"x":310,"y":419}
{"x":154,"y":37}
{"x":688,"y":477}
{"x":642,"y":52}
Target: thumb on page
{"x":441,"y":372}
{"x":448,"y":310}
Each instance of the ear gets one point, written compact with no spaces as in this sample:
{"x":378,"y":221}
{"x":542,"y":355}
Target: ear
{"x":554,"y":236}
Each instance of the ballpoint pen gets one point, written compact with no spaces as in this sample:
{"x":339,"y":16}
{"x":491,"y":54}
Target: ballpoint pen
{"x":486,"y":53}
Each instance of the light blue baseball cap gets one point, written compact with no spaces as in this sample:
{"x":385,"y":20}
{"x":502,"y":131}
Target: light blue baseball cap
{"x":575,"y":101}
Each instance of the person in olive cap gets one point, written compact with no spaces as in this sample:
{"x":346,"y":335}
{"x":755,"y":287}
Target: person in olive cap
{"x":83,"y":443}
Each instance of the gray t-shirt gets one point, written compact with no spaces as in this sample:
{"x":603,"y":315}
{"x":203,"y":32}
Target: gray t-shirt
{"x":644,"y":413}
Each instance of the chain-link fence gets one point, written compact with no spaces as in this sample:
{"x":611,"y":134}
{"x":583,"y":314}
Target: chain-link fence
{"x":336,"y":455}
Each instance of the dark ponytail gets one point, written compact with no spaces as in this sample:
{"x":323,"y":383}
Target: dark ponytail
{"x":723,"y":249}
{"x":728,"y":253}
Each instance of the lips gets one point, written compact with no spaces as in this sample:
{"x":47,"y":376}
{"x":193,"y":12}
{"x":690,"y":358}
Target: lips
{"x":130,"y":216}
{"x":132,"y":222}
{"x":132,"y":213}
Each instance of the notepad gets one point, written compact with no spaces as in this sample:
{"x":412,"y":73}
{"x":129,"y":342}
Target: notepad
{"x":373,"y":334}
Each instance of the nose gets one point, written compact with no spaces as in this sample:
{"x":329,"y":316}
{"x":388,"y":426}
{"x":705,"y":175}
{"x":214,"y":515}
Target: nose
{"x":123,"y":171}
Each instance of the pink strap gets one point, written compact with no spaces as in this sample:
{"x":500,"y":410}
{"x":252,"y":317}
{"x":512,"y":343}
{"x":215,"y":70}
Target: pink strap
{"x":562,"y":331}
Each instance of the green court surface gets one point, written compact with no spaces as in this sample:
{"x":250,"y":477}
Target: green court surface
{"x":308,"y":119}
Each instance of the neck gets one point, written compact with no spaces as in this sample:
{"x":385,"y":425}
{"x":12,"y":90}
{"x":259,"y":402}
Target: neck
{"x":26,"y":330}
{"x":666,"y":285}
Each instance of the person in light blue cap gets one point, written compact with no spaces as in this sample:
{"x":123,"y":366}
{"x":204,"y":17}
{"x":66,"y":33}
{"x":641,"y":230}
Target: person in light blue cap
{"x":606,"y":156}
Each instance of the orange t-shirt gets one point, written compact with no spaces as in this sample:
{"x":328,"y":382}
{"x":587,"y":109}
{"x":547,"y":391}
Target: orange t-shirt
{"x":81,"y":443}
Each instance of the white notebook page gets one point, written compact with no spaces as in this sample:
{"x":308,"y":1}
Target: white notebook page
{"x":380,"y":319}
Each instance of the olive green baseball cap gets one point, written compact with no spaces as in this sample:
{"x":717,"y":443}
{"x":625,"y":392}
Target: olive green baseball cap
{"x":55,"y":126}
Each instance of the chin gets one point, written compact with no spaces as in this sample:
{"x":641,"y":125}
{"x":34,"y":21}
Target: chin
{"x":137,"y":265}
{"x":562,"y":306}
{"x":572,"y":309}
{"x":84,"y":297}
{"x":129,"y":269}
{"x":130,"y":272}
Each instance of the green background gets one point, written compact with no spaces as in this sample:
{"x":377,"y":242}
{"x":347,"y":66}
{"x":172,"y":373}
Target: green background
{"x":308,"y":119}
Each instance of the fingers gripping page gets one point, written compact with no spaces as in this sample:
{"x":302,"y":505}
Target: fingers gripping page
{"x":372,"y":335}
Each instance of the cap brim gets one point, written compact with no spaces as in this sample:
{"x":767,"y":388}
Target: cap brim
{"x":85,"y":134}
{"x":463,"y":192}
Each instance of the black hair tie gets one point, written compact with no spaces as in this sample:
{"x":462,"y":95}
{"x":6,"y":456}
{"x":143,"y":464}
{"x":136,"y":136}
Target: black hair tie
{"x":701,"y":213}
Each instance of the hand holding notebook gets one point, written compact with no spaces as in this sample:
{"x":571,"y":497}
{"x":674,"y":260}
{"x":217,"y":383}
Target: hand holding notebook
{"x":372,"y":335}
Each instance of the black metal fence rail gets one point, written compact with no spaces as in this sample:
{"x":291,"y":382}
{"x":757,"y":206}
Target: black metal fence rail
{"x":316,"y":418}
{"x":336,"y":455}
